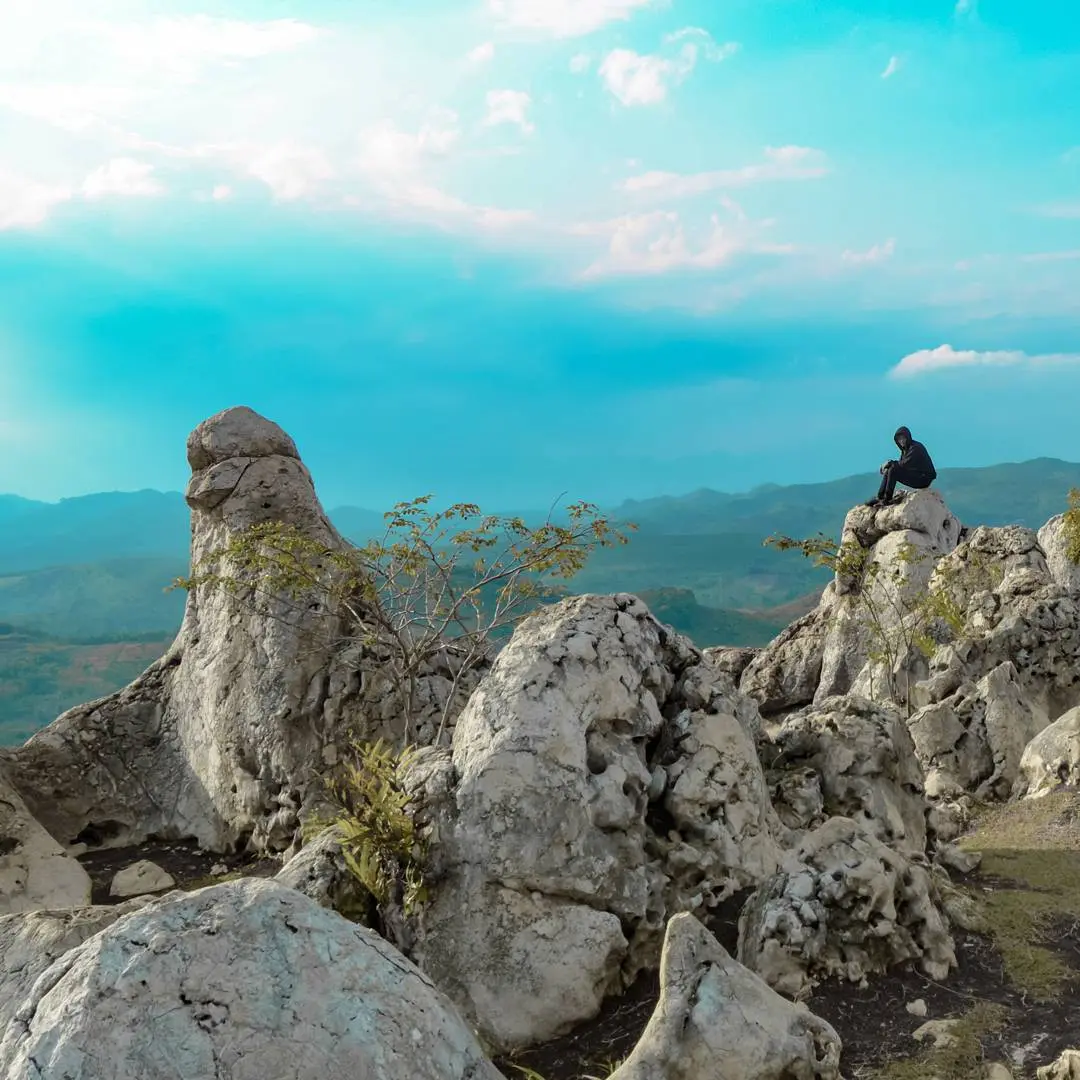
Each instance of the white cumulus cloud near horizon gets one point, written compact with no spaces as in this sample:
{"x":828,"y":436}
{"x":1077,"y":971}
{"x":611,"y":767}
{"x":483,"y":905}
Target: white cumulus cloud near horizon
{"x":945,"y":358}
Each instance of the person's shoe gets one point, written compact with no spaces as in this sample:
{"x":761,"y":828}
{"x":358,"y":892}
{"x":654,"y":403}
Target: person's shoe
{"x":872,"y":502}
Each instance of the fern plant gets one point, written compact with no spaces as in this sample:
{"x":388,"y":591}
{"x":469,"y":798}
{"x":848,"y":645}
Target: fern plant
{"x":1072,"y":527}
{"x":379,"y":840}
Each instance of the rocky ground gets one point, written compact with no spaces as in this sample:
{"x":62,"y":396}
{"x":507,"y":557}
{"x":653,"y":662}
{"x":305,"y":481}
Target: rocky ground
{"x":1015,"y":994}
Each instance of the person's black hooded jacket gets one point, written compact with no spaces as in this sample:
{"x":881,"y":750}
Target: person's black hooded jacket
{"x":915,"y":458}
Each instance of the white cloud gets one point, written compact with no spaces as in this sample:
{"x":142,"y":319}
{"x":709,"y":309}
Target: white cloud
{"x":289,"y":170}
{"x":25,"y":202}
{"x":564,"y":18}
{"x":878,"y":253}
{"x":122,"y":177}
{"x":781,"y":163}
{"x":891,"y":68}
{"x":509,"y":107}
{"x":657,"y":243}
{"x":945,"y":357}
{"x":182,"y":45}
{"x":482,"y":54}
{"x":580,"y":63}
{"x":965,"y":7}
{"x":636,"y":79}
{"x":221,"y":192}
{"x":713,"y":52}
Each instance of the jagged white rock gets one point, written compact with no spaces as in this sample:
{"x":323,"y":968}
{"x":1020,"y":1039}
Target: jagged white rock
{"x":224,"y":737}
{"x":845,"y":905}
{"x":592,"y":714}
{"x":35,"y":872}
{"x":849,"y":757}
{"x":716,"y":1020}
{"x":1066,"y":1067}
{"x":247,"y":979}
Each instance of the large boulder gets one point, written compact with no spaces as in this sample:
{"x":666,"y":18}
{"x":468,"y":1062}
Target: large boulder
{"x":849,"y":757}
{"x":1052,"y":758}
{"x":845,"y":905}
{"x":35,"y":872}
{"x":247,"y":979}
{"x":32,"y":941}
{"x":716,"y":1020}
{"x":225,"y":737}
{"x":601,"y":779}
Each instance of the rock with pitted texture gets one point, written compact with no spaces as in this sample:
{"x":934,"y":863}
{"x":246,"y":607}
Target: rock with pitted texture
{"x":247,"y":980}
{"x":716,"y":1020}
{"x":226,"y":737}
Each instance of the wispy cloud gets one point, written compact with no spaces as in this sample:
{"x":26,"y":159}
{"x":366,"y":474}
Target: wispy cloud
{"x":781,"y":163}
{"x":1060,"y":210}
{"x":966,"y":7}
{"x":509,"y":107}
{"x":25,"y":202}
{"x":644,"y":79}
{"x":122,"y":177}
{"x":483,"y":53}
{"x":580,"y":63}
{"x":564,"y":18}
{"x":713,"y":51}
{"x":945,"y":357}
{"x":878,"y":253}
{"x":657,"y":243}
{"x":891,"y":68}
{"x":1051,"y":256}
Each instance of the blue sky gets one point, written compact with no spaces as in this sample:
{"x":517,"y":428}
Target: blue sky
{"x":502,"y":249}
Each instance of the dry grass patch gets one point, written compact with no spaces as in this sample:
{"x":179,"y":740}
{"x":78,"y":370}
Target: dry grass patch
{"x":962,"y":1059}
{"x":1030,"y":885}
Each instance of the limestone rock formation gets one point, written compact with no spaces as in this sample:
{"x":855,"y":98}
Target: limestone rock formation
{"x":1066,"y":1067}
{"x":34,"y":870}
{"x":247,"y":979}
{"x":31,"y":941}
{"x":1052,"y":758}
{"x":843,"y":904}
{"x":601,"y":779}
{"x":849,"y":757}
{"x":1054,"y":543}
{"x":827,"y":652}
{"x":223,"y":738}
{"x":319,"y":871}
{"x":718,"y":1021}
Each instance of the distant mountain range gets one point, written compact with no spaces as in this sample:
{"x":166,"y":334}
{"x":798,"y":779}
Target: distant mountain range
{"x":95,"y":569}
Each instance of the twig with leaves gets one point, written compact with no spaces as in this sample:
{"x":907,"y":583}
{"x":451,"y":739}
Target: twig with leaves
{"x":410,"y":592}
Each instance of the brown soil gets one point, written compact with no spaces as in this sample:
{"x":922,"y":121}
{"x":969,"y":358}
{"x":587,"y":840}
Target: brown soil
{"x":189,"y":866}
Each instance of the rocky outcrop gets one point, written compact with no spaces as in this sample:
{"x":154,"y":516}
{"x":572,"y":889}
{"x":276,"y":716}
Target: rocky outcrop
{"x":1052,"y":758}
{"x":35,"y":872}
{"x":843,"y":905}
{"x":320,"y":872}
{"x":718,"y":1021}
{"x":225,"y":737}
{"x":828,"y":652}
{"x":601,"y":780}
{"x":849,"y":757}
{"x":247,"y":979}
{"x":1054,"y":543}
{"x":1066,"y":1067}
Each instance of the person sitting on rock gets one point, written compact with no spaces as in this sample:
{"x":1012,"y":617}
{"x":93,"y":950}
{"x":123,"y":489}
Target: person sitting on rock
{"x":913,"y":470}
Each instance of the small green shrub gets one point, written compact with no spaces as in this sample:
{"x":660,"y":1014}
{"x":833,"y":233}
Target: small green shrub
{"x":1071,"y":527}
{"x":379,"y":839}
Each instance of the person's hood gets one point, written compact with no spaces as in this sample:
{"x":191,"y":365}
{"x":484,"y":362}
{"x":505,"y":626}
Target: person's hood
{"x":900,"y":434}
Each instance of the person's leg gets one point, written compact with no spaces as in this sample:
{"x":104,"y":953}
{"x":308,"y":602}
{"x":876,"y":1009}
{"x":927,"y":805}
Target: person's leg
{"x":888,"y":481}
